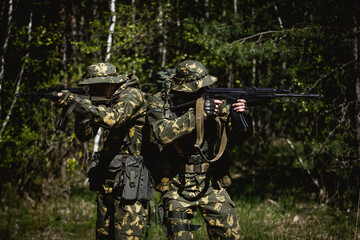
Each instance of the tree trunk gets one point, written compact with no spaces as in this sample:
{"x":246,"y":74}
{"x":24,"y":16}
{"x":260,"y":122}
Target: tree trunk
{"x":63,"y":33}
{"x":133,"y":18}
{"x":107,"y":58}
{"x":356,"y":66}
{"x":230,"y":83}
{"x":19,"y":79}
{"x":111,"y":30}
{"x":162,"y":44}
{"x":2,"y":66}
{"x":73,"y":27}
{"x":235,"y":7}
{"x":207,"y":12}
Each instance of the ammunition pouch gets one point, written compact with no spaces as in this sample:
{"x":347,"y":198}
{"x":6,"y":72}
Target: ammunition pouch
{"x":127,"y":175}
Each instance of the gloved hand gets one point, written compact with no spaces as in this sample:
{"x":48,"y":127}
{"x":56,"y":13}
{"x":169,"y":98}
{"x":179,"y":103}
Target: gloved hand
{"x":211,"y":106}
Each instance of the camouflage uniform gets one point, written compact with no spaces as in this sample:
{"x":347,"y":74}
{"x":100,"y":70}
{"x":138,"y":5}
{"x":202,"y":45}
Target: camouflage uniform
{"x":186,"y":180}
{"x":122,"y":119}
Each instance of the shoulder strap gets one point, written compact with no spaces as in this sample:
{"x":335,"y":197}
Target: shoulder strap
{"x":199,"y":125}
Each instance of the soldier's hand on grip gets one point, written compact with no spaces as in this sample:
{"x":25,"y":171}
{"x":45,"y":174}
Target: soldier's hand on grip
{"x":211,"y":106}
{"x":65,"y":97}
{"x":240,"y":105}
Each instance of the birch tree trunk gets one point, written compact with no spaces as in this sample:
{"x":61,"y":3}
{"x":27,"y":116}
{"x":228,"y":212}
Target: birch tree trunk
{"x":10,"y":13}
{"x":235,"y":7}
{"x":73,"y":27}
{"x":133,"y":17}
{"x":107,"y":58}
{"x":178,"y":24}
{"x":111,"y":30}
{"x":63,"y":31}
{"x":207,"y":12}
{"x":19,"y":78}
{"x":254,"y":62}
{"x":162,"y":44}
{"x":356,"y":66}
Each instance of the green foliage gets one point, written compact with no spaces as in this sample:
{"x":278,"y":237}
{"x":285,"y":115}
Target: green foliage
{"x":287,"y":45}
{"x":283,"y":217}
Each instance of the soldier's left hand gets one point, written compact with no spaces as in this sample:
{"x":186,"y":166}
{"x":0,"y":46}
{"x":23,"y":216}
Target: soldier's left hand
{"x":65,"y":97}
{"x":240,"y":105}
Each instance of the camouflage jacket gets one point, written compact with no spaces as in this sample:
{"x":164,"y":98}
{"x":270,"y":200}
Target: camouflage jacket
{"x":122,"y":120}
{"x":180,"y":128}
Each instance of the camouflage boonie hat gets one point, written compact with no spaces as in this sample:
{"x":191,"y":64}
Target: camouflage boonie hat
{"x":191,"y":76}
{"x":101,"y":73}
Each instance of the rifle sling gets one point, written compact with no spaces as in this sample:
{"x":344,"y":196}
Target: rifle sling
{"x":199,"y":125}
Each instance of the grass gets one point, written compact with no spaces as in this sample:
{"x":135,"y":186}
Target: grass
{"x":61,"y":218}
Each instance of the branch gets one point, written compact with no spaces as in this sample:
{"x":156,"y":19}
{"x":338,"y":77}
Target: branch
{"x":315,"y":181}
{"x":344,"y":111}
{"x":331,"y":72}
{"x":256,"y":35}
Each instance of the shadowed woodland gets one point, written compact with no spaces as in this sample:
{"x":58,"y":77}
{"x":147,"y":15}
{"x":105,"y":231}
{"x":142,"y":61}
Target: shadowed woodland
{"x":300,"y":168}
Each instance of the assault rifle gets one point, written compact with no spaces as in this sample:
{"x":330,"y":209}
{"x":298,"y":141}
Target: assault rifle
{"x":51,"y":93}
{"x":253,"y":96}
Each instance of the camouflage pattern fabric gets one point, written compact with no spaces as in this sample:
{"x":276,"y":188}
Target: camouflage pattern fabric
{"x":191,"y":76}
{"x":119,"y":219}
{"x":174,"y":133}
{"x":123,"y":120}
{"x":165,"y":131}
{"x":180,"y":127}
{"x":215,"y":205}
{"x":102,"y":73}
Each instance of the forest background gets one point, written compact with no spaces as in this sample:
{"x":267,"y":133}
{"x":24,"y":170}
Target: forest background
{"x":298,"y":177}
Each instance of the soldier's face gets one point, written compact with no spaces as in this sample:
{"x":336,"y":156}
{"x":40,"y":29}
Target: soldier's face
{"x":99,"y":90}
{"x":103,"y":90}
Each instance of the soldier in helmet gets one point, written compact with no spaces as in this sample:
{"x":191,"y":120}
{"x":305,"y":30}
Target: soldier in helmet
{"x":118,"y":171}
{"x":187,"y":179}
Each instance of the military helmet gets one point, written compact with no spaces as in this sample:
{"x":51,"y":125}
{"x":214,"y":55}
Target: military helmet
{"x":191,"y":76}
{"x":101,"y":73}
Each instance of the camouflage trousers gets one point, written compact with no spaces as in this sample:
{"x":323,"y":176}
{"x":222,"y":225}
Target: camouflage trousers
{"x":214,"y":203}
{"x":118,"y":218}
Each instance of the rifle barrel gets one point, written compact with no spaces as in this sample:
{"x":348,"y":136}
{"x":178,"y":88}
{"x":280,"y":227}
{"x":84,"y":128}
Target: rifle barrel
{"x":300,"y":95}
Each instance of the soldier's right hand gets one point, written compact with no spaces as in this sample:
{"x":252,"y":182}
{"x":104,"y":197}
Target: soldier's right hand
{"x":211,"y":106}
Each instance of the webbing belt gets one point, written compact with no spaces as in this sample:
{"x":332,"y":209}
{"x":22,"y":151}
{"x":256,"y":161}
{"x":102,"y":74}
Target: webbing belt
{"x":199,"y":124}
{"x":197,"y":168}
{"x":183,"y":227}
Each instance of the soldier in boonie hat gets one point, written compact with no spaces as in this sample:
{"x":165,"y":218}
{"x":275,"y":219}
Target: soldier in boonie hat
{"x":122,"y":118}
{"x":101,"y":73}
{"x":181,"y":169}
{"x":191,"y":76}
